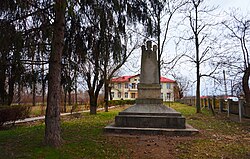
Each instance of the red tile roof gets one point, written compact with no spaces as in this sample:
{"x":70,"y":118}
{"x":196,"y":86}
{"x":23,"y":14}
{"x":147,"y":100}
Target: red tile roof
{"x":166,"y":80}
{"x":121,"y":79}
{"x":126,"y":79}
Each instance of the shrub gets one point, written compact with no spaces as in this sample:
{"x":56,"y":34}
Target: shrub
{"x":13,"y":113}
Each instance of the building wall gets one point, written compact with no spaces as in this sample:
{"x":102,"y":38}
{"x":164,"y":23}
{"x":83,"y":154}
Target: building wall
{"x":128,"y":90}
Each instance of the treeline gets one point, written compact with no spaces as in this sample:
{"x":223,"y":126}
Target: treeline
{"x":54,"y":44}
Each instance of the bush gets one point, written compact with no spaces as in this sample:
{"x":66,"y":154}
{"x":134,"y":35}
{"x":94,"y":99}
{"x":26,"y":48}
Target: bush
{"x":13,"y":113}
{"x":121,"y":102}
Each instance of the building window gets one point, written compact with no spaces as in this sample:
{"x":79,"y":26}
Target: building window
{"x":119,"y":85}
{"x":119,"y":94}
{"x":112,"y":94}
{"x":133,"y":86}
{"x":126,"y":94}
{"x":126,"y":85}
{"x":168,"y":85}
{"x":132,"y":95}
{"x":168,"y":96}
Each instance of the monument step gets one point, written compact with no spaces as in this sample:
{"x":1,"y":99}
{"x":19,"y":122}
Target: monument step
{"x":189,"y":130}
{"x":147,"y":121}
{"x":150,"y":109}
{"x":151,"y":114}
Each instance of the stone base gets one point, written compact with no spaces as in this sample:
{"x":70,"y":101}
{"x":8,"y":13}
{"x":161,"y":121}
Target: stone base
{"x":150,"y":119}
{"x":188,"y":131}
{"x":144,"y":101}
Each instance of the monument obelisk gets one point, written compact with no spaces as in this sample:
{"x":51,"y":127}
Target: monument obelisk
{"x":149,"y":115}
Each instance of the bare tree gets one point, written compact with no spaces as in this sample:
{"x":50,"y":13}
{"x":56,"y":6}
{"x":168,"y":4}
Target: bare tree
{"x":111,"y":67}
{"x":182,"y":84}
{"x":239,"y":27}
{"x":161,"y":14}
{"x":203,"y":43}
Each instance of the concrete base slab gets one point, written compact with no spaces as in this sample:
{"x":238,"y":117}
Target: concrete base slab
{"x":150,"y":116}
{"x":188,"y":131}
{"x":151,"y":119}
{"x":152,"y":109}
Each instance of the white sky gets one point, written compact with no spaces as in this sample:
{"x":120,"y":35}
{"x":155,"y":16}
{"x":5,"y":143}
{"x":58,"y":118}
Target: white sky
{"x":131,"y":67}
{"x":244,"y":5}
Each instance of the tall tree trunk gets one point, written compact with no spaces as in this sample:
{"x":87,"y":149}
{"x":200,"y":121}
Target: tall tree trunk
{"x":52,"y":118}
{"x":198,"y":107}
{"x":106,"y":95}
{"x":11,"y":83}
{"x":3,"y":68}
{"x":245,"y":82}
{"x":110,"y":94}
{"x":105,"y":76}
{"x":93,"y":96}
{"x":93,"y":103}
{"x":34,"y":92}
{"x":69,"y":96}
{"x":33,"y":83}
{"x":65,"y":101}
{"x":196,"y":34}
{"x":76,"y":89}
{"x":43,"y":88}
{"x":11,"y":91}
{"x":19,"y":93}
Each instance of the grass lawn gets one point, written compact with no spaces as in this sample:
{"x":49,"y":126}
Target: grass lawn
{"x":219,"y":136}
{"x":83,"y":138}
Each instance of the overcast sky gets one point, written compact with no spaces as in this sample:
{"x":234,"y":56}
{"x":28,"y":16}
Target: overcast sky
{"x":133,"y":65}
{"x":227,"y":4}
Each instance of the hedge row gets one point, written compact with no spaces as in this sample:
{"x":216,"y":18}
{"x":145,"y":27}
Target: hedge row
{"x":13,"y":113}
{"x":121,"y":102}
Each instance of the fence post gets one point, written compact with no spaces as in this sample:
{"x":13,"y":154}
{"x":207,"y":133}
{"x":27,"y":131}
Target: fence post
{"x":229,"y":103}
{"x":205,"y":102}
{"x":201,"y":102}
{"x":209,"y":103}
{"x":241,"y":101}
{"x":221,"y":105}
{"x":213,"y":105}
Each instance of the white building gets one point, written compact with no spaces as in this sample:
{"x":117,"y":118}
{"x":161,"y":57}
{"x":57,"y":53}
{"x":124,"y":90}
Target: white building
{"x":125,"y":87}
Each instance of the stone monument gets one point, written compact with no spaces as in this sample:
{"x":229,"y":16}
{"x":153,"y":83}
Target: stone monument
{"x":149,"y":115}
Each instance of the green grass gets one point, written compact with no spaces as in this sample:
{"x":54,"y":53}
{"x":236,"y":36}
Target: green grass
{"x":83,"y":138}
{"x":219,"y":137}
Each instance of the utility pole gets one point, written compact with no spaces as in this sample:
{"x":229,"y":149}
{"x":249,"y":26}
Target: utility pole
{"x":225,"y":84}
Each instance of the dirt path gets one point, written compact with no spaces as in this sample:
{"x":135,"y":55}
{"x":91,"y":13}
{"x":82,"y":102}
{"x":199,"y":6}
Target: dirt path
{"x":149,"y":147}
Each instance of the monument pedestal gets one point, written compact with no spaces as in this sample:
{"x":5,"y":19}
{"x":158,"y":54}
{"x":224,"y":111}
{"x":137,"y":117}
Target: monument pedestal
{"x":153,"y":119}
{"x":149,"y":115}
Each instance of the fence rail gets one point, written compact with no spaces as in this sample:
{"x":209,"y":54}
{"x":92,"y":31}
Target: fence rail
{"x":240,"y":107}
